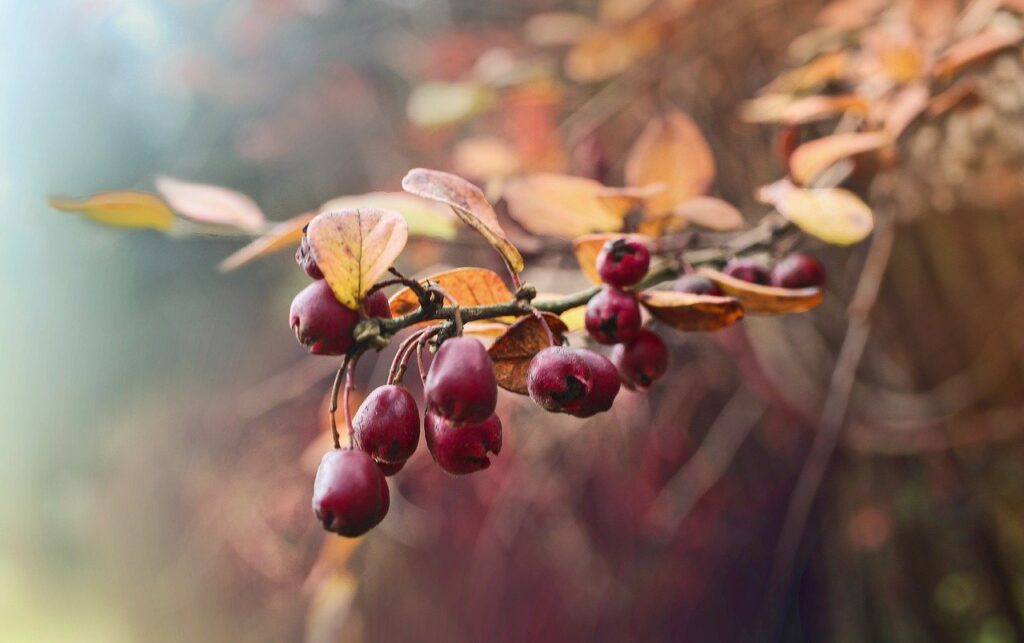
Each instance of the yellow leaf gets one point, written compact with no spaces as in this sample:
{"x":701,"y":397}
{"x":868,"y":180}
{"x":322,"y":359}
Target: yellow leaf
{"x":811,"y":159}
{"x":468,"y":286}
{"x":353,"y":248}
{"x":671,"y":150}
{"x":211,"y":204}
{"x":685,"y":311}
{"x":283,"y":235}
{"x":765,"y":299}
{"x":121,"y":209}
{"x":437,"y":104}
{"x":587,"y":247}
{"x":424,"y":218}
{"x":563,"y":206}
{"x":469,"y":204}
{"x":833,"y":215}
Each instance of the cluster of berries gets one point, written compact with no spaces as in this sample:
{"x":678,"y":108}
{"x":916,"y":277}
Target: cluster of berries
{"x":797,"y":270}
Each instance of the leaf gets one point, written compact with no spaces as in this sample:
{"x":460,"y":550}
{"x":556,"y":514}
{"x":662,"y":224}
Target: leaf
{"x":424,"y":218}
{"x":957,"y":93}
{"x":975,"y":49}
{"x":512,"y":352}
{"x":826,"y":67}
{"x":604,"y":52}
{"x":620,"y":11}
{"x":353,"y":248}
{"x":671,"y":150}
{"x":469,"y":286}
{"x":555,"y":28}
{"x":765,"y":299}
{"x":437,"y":104}
{"x":904,"y":107}
{"x":711,"y":213}
{"x":121,"y":209}
{"x":810,"y":159}
{"x":485,"y":157}
{"x":684,"y":311}
{"x":469,"y":204}
{"x":833,"y":215}
{"x":283,"y":235}
{"x":588,"y":246}
{"x":775,"y":108}
{"x":211,"y":204}
{"x":563,"y":206}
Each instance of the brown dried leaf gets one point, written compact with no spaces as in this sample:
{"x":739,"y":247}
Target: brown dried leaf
{"x":589,"y":246}
{"x":814,"y":157}
{"x":469,"y":286}
{"x":283,"y":235}
{"x":353,"y":248}
{"x":767,"y":300}
{"x":512,"y":352}
{"x":684,"y":311}
{"x":671,"y":150}
{"x":469,"y":204}
{"x":563,"y":206}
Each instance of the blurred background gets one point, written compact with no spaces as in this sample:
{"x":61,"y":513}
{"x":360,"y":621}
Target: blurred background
{"x":160,"y":427}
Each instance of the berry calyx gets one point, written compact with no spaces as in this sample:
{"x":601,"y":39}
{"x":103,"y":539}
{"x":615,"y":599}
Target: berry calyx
{"x":623,"y":262}
{"x":350,"y":494}
{"x":320,"y":322}
{"x":573,"y":381}
{"x":798,"y":270}
{"x":304,"y":257}
{"x":462,"y":448}
{"x":747,"y":270}
{"x":641,"y":361}
{"x":697,"y":285}
{"x":613,"y":316}
{"x":387,"y":425}
{"x":461,"y":385}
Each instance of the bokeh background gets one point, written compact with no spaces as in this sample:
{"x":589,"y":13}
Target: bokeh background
{"x":159,"y":426}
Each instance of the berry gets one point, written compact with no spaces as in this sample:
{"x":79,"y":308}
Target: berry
{"x":387,"y":425}
{"x":462,"y":448}
{"x":798,"y":270}
{"x":641,"y":361}
{"x":747,"y":270}
{"x":697,"y":285}
{"x":623,"y":262}
{"x":304,"y":257}
{"x":460,"y":385}
{"x":573,"y":381}
{"x":390,"y":468}
{"x":350,"y":494}
{"x":613,"y":316}
{"x":320,"y":322}
{"x":376,"y":305}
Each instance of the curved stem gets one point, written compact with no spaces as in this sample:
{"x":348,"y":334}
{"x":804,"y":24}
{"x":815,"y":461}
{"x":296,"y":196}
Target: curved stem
{"x":334,"y":402}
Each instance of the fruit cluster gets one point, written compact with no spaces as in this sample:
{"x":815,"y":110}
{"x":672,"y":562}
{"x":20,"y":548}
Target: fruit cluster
{"x":460,"y":387}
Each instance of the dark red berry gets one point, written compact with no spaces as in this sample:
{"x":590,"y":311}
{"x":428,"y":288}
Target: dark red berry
{"x":376,"y":305}
{"x":613,"y":316}
{"x":390,"y":468}
{"x":572,"y":380}
{"x":623,"y":262}
{"x":387,"y":424}
{"x":462,"y":448}
{"x":798,"y":270}
{"x":747,"y":270}
{"x":642,"y":360}
{"x":350,"y":494}
{"x":697,"y":285}
{"x":304,"y":257}
{"x":460,"y":385}
{"x":320,"y":322}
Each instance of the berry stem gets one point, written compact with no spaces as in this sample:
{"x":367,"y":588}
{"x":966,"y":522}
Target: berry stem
{"x":346,"y":396}
{"x":334,"y":403}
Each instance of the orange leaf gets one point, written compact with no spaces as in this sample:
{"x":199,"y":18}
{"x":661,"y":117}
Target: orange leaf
{"x":975,"y":49}
{"x":765,"y":299}
{"x":283,"y":235}
{"x":589,"y":246}
{"x":775,"y":108}
{"x":563,"y":206}
{"x":810,"y":159}
{"x":211,"y":204}
{"x":485,"y":157}
{"x":684,"y":311}
{"x":353,"y":248}
{"x":512,"y":352}
{"x":671,"y":150}
{"x":824,"y":68}
{"x":469,"y":286}
{"x":469,"y":204}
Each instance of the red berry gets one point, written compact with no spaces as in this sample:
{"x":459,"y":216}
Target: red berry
{"x":572,"y":380}
{"x":390,"y":468}
{"x":462,"y":448}
{"x":697,"y":285}
{"x":613,"y":316}
{"x":460,"y":385}
{"x":376,"y":305}
{"x":320,"y":322}
{"x":798,"y":270}
{"x":623,"y":262}
{"x":642,"y":360}
{"x":350,"y":494}
{"x":387,"y":425}
{"x":304,"y":257}
{"x":747,"y":270}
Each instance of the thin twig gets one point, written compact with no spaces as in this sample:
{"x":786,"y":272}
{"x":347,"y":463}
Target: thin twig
{"x":349,"y":387}
{"x":334,"y":402}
